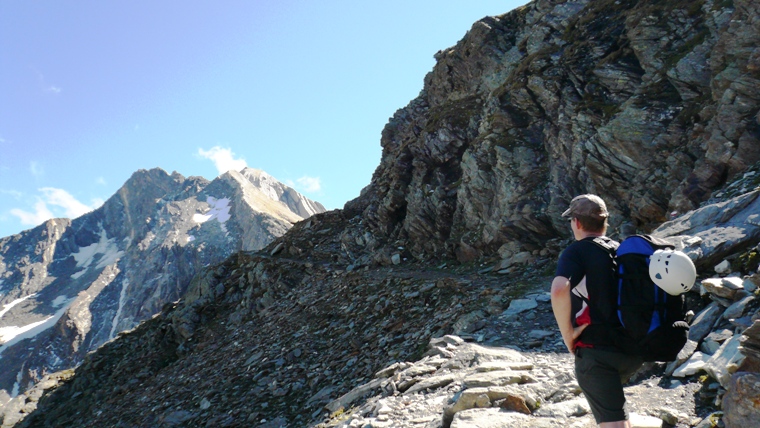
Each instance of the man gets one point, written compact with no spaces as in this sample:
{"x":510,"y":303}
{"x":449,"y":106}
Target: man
{"x":584,"y":304}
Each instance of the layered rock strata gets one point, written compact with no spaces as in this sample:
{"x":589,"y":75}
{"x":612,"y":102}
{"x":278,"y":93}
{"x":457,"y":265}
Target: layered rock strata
{"x":652,"y":105}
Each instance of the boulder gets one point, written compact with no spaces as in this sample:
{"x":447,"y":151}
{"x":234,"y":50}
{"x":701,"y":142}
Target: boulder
{"x":750,"y":348}
{"x":725,"y":361}
{"x":703,"y":322}
{"x":741,"y":404}
{"x":721,"y":288}
{"x":693,"y":365}
{"x":737,"y":309}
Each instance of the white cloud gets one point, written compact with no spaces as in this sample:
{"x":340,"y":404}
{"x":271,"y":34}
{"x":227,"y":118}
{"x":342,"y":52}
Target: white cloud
{"x":59,"y":197}
{"x":224,"y":160}
{"x":310,"y":184}
{"x":36,"y":169}
{"x":66,"y":204}
{"x":53,"y":89}
{"x":101,"y":181}
{"x":41,"y":214}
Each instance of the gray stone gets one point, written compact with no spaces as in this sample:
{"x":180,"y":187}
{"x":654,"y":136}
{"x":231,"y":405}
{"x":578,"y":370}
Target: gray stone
{"x":723,"y":267}
{"x":749,"y":283}
{"x":709,"y":346}
{"x":522,"y":305}
{"x":504,"y":365}
{"x":470,"y":354}
{"x":720,"y":288}
{"x":693,"y":365}
{"x":683,"y":355}
{"x":725,"y":361}
{"x":644,"y":421}
{"x":432,"y":383}
{"x":741,"y":404}
{"x":738,"y":308}
{"x":540,"y":334}
{"x":177,"y":417}
{"x":565,"y":409}
{"x":396,"y":258}
{"x":733,"y":282}
{"x":468,"y":399}
{"x":710,"y":421}
{"x":495,"y":378}
{"x":704,"y":321}
{"x":354,"y":394}
{"x":668,"y":415}
{"x":497,"y":418}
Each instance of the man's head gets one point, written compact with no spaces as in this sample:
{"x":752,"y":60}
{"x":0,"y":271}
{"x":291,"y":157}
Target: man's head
{"x":590,"y":211}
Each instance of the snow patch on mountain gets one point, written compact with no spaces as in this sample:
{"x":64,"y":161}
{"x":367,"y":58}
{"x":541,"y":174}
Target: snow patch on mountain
{"x":58,"y":301}
{"x":122,"y":299}
{"x":219,"y":210}
{"x":14,"y":334}
{"x":16,"y":385}
{"x":107,"y":248}
{"x":10,"y":305}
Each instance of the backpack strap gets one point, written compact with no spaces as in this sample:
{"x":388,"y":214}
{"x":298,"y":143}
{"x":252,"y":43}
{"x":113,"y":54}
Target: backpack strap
{"x":657,"y":243}
{"x":606,"y":244}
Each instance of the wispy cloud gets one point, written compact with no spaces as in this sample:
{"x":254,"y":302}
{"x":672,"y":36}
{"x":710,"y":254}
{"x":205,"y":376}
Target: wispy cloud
{"x":61,"y":198}
{"x":13,"y":193}
{"x":40,"y":214}
{"x":224,"y":159}
{"x":37,"y":170}
{"x":310,"y":184}
{"x":101,"y":181}
{"x":52,"y":203}
{"x":47,"y":87}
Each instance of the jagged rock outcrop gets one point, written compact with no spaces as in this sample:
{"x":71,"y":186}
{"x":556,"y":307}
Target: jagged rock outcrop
{"x":652,"y":105}
{"x":68,"y":286}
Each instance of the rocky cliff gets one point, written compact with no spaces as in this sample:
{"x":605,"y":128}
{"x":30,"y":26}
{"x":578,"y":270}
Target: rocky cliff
{"x":68,"y":286}
{"x":651,"y":104}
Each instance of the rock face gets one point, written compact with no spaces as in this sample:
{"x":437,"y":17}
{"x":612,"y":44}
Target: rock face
{"x":68,"y":286}
{"x":652,"y":105}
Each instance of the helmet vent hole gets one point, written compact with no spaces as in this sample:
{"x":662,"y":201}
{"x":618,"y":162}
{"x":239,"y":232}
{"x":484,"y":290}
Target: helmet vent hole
{"x":658,"y":276}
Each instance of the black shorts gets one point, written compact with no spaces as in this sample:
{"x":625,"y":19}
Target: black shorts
{"x":601,"y":375}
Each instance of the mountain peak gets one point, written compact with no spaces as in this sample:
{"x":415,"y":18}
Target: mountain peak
{"x":278,"y":191}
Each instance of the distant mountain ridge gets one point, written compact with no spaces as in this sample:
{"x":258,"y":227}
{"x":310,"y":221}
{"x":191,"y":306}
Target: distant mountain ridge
{"x":68,"y":286}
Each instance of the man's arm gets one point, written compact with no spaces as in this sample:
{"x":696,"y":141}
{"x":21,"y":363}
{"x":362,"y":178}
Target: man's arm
{"x":562,"y":309}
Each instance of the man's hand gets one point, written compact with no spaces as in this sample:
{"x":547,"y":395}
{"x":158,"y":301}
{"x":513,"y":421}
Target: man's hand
{"x":572,"y":339}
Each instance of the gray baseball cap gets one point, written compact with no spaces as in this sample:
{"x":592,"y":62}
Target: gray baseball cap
{"x":587,"y":205}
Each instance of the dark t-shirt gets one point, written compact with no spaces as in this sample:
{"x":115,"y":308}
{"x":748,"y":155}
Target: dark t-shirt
{"x":594,"y":302}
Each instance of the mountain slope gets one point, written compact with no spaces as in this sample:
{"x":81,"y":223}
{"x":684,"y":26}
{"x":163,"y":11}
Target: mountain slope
{"x":68,"y":286}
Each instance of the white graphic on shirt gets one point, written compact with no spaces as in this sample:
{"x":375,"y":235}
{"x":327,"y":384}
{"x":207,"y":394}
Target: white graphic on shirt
{"x":581,"y":291}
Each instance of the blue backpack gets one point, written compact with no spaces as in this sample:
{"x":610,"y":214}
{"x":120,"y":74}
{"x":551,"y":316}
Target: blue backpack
{"x":652,"y":322}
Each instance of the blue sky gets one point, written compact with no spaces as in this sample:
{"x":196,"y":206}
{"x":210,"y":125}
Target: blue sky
{"x":91,"y":91}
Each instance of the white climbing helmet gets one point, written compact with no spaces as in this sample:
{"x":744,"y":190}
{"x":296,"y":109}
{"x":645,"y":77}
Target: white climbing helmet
{"x":673,"y":271}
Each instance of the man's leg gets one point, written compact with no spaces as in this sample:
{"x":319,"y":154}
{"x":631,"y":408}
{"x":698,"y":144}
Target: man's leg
{"x":598,"y":374}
